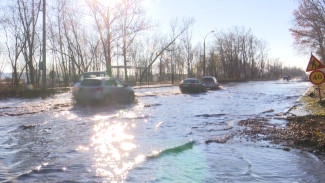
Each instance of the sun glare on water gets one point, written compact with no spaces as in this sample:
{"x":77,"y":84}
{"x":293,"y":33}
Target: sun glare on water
{"x":114,"y":150}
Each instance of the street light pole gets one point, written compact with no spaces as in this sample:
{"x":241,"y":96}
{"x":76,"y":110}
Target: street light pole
{"x":204,"y":51}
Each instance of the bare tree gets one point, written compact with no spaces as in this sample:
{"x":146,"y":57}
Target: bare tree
{"x":164,"y":48}
{"x":149,"y":48}
{"x":14,"y":52}
{"x":14,"y":40}
{"x":131,"y":23}
{"x":262,"y":56}
{"x":28,"y":11}
{"x":239,"y":53}
{"x":105,"y":18}
{"x":188,"y":50}
{"x":309,"y":26}
{"x":57,"y":43}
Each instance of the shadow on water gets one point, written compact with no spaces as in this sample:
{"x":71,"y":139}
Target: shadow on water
{"x":210,"y":115}
{"x":97,"y":108}
{"x":173,"y":151}
{"x":32,"y":125}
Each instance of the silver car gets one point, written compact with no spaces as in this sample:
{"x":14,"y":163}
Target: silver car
{"x":85,"y":75}
{"x":210,"y":82}
{"x":103,"y":90}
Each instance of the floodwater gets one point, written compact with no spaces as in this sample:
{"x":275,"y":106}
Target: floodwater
{"x":165,"y":136}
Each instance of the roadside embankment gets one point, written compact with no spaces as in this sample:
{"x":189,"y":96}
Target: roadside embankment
{"x":308,"y":131}
{"x":305,"y":129}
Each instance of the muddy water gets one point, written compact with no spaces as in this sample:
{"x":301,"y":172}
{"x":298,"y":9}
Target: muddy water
{"x":165,"y":136}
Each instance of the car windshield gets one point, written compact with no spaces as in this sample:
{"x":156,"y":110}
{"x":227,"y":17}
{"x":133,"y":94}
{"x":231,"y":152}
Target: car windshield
{"x":91,"y":82}
{"x":111,"y":82}
{"x":91,"y":75}
{"x":207,"y":80}
{"x":189,"y":81}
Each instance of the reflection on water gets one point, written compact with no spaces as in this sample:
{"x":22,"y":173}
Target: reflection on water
{"x":113,"y":145}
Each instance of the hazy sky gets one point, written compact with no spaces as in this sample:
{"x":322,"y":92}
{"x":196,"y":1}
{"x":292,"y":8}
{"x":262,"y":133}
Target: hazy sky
{"x":269,"y":20}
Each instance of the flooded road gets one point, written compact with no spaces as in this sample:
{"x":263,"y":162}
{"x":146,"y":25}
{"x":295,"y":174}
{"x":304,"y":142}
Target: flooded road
{"x":165,"y":136}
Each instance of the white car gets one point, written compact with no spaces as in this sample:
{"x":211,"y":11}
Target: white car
{"x":210,"y":82}
{"x":104,"y":90}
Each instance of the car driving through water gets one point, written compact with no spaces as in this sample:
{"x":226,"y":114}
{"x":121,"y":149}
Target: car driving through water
{"x":210,"y":82}
{"x":192,"y":85}
{"x":104,"y":90}
{"x":85,"y":75}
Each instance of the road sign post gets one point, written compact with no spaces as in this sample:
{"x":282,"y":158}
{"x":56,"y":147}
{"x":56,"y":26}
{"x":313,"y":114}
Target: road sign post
{"x":317,"y":77}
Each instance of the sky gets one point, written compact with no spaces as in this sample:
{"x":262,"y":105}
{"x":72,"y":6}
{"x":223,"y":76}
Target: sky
{"x":269,"y":20}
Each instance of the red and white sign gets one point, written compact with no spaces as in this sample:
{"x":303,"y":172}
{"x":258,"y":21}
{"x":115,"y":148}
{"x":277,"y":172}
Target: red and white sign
{"x":317,"y":77}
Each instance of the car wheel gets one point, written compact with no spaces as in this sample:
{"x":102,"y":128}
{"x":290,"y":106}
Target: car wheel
{"x":131,"y":97}
{"x":107,"y":99}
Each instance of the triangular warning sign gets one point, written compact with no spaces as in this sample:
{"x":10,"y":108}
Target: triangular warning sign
{"x":314,"y":64}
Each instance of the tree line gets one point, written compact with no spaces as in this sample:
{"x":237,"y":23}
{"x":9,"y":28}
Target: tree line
{"x":122,"y":40}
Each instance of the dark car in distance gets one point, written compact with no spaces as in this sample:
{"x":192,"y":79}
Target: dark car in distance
{"x":192,"y":85}
{"x":286,"y":78}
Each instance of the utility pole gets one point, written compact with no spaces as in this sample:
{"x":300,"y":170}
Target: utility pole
{"x":44,"y":48}
{"x":108,"y":51}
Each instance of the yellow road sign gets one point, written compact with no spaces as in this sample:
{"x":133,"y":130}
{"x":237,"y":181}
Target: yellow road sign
{"x":314,"y":64}
{"x":317,"y":77}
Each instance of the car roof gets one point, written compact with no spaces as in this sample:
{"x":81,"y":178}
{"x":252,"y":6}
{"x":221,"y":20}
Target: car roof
{"x":97,"y":78}
{"x":191,"y":79}
{"x":101,"y":78}
{"x":208,"y":77}
{"x":94,"y":72}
